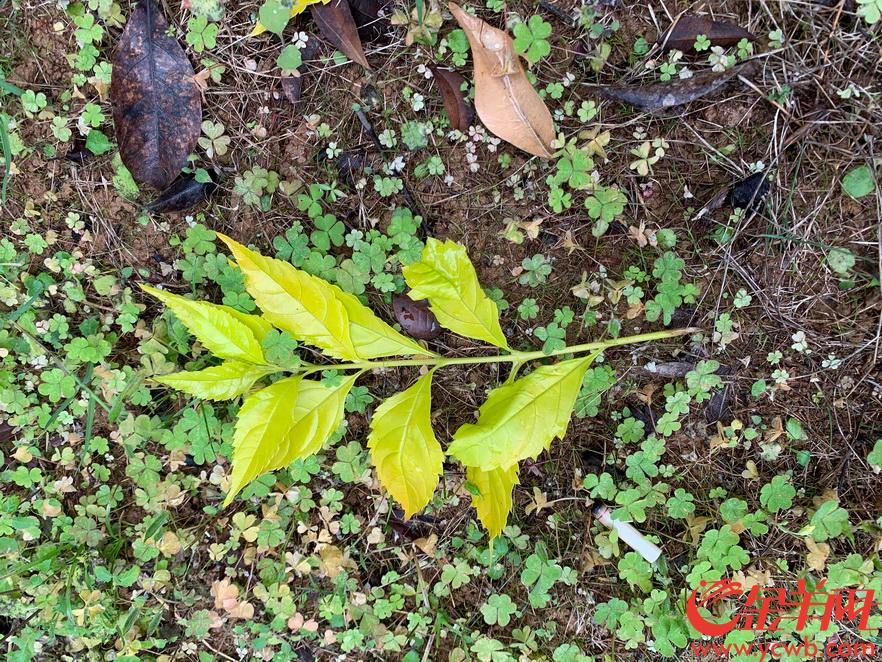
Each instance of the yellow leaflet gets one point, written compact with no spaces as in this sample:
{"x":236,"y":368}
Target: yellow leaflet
{"x":494,"y":503}
{"x":297,"y":8}
{"x":403,"y":447}
{"x":220,"y":382}
{"x":368,"y":336}
{"x":372,"y":337}
{"x":222,"y":333}
{"x":296,"y":301}
{"x":521,"y":419}
{"x":290,"y":419}
{"x":446,"y":277}
{"x":259,"y":326}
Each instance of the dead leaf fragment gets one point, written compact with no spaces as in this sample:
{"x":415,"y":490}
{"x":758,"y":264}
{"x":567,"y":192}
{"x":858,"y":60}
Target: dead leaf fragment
{"x":818,"y":554}
{"x":335,"y":22}
{"x":226,"y":597}
{"x":685,"y":31}
{"x":658,"y":96}
{"x":415,"y":317}
{"x":506,"y":102}
{"x":459,"y":110}
{"x":157,"y":106}
{"x":184,"y":193}
{"x":368,"y":17}
{"x":292,"y":85}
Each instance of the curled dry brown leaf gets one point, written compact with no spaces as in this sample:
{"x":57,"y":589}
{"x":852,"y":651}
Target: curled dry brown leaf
{"x":337,"y":25}
{"x":157,"y":108}
{"x":506,"y":102}
{"x":459,"y":110}
{"x":682,"y":35}
{"x":677,"y":93}
{"x":415,"y":317}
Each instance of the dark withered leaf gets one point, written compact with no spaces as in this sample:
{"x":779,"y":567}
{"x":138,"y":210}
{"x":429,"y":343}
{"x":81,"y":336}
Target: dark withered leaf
{"x":366,"y":14}
{"x":717,"y":408}
{"x":749,"y":192}
{"x":418,"y":526}
{"x":5,"y":432}
{"x":676,"y":93}
{"x":335,"y":22}
{"x":157,"y":107}
{"x":370,"y":97}
{"x":682,"y":35}
{"x":184,"y":193}
{"x":78,"y":156}
{"x":415,"y":317}
{"x":292,"y":85}
{"x":350,"y":166}
{"x":459,"y":110}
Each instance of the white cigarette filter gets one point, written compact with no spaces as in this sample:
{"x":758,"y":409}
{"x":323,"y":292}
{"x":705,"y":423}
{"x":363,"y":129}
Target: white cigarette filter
{"x":628,"y":534}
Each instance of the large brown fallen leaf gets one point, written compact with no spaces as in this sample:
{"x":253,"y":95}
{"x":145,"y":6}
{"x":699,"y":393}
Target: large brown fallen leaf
{"x":683,"y":33}
{"x":157,"y":108}
{"x":459,"y":110}
{"x":506,"y":102}
{"x":335,"y":22}
{"x":677,"y":93}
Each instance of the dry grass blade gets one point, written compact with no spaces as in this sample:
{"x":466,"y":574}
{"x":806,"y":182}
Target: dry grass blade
{"x":506,"y":102}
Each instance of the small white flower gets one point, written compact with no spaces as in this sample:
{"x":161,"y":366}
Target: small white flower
{"x":397,"y":165}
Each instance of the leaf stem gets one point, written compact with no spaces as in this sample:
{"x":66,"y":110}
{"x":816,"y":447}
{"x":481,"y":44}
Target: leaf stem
{"x":514,"y":357}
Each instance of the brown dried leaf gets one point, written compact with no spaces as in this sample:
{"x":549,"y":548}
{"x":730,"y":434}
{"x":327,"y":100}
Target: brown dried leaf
{"x":366,"y":14}
{"x":459,"y":110}
{"x":666,"y":95}
{"x":157,"y":108}
{"x":683,"y":33}
{"x":335,"y":22}
{"x":292,"y":85}
{"x":816,"y":559}
{"x":506,"y":102}
{"x":415,"y":317}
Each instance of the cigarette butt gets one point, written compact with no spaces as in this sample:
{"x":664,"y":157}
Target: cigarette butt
{"x":628,"y":534}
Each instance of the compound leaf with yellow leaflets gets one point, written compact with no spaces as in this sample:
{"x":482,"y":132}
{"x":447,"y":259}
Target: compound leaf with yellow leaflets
{"x":221,"y":332}
{"x":494,"y":502}
{"x":288,"y":420}
{"x":371,"y":336}
{"x":446,"y":277}
{"x":220,"y":382}
{"x":258,"y":325}
{"x":295,"y":301}
{"x":403,"y":446}
{"x":521,"y":419}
